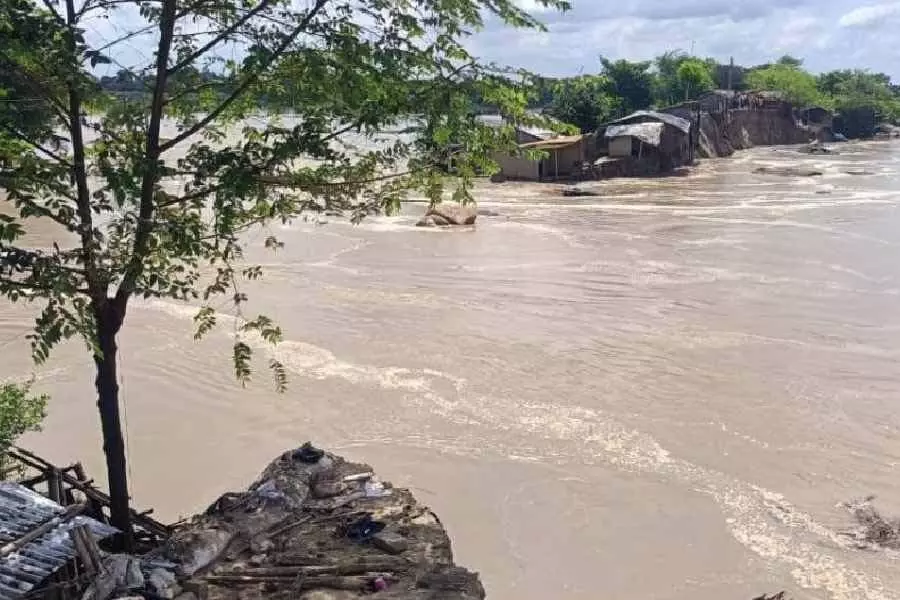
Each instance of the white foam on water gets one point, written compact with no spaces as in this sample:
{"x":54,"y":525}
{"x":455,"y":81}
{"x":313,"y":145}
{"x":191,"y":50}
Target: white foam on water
{"x":544,"y":230}
{"x":761,"y":520}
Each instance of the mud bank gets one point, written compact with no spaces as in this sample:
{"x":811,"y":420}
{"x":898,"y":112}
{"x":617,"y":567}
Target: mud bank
{"x":723,"y":134}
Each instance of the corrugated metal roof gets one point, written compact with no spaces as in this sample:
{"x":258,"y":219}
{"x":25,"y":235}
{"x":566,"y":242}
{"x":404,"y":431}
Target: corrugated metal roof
{"x":642,"y":115}
{"x":21,"y":511}
{"x":649,"y":133}
{"x":538,"y":132}
{"x":562,"y":141}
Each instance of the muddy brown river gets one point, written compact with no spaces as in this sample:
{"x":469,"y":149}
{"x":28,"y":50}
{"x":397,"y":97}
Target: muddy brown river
{"x":660,"y":393}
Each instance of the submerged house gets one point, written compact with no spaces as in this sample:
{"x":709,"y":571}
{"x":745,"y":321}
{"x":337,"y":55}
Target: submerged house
{"x":644,"y":143}
{"x":565,"y":157}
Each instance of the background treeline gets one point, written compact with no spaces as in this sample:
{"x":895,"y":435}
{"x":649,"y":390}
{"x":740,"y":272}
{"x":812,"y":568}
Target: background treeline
{"x":622,"y":86}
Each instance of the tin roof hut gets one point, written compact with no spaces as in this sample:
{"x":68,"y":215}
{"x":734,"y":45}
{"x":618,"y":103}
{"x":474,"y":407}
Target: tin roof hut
{"x":645,"y":143}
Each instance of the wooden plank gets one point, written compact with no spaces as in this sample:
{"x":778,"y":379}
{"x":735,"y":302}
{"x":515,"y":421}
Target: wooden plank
{"x":91,"y":492}
{"x":86,"y":547}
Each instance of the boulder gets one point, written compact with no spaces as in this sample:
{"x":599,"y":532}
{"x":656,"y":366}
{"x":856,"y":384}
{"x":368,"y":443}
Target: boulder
{"x":453,"y":213}
{"x":789,"y":171}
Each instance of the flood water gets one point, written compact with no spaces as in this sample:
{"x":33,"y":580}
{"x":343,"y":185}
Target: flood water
{"x":660,"y":393}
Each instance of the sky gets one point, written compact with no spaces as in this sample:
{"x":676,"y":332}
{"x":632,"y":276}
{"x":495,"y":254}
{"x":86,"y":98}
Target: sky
{"x":828,"y":34}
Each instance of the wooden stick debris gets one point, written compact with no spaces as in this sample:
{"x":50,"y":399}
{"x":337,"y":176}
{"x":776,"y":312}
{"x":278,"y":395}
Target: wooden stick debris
{"x":92,"y":493}
{"x":300,"y":584}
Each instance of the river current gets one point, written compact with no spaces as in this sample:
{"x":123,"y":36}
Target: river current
{"x":660,"y":393}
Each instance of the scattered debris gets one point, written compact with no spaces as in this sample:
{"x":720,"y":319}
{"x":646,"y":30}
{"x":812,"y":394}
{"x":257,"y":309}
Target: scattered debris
{"x":390,"y":542}
{"x":873,"y":530}
{"x":317,"y":528}
{"x":778,"y":596}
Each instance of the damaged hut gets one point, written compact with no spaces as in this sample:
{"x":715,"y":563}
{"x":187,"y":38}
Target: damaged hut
{"x":643,"y":143}
{"x":48,"y":551}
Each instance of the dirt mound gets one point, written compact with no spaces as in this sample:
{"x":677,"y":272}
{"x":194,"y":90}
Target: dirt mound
{"x":316,"y":527}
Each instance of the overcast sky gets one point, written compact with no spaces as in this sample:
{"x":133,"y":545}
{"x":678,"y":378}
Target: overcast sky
{"x":828,"y":34}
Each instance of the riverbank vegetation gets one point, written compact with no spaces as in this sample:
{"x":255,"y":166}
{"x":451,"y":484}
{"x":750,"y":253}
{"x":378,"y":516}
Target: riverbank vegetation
{"x":20,"y":412}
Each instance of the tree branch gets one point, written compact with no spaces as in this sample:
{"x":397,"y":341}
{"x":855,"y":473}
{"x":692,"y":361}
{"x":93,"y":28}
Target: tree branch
{"x":151,"y":165}
{"x":40,"y":147}
{"x":234,"y":27}
{"x":43,"y":92}
{"x":33,"y":287}
{"x":250,"y":80}
{"x":55,"y":12}
{"x":79,"y":171}
{"x":209,"y":84}
{"x":88,"y":6}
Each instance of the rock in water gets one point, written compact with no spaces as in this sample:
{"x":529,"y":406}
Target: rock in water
{"x":579,"y":192}
{"x":817,"y":148}
{"x":453,"y":213}
{"x":789,"y":171}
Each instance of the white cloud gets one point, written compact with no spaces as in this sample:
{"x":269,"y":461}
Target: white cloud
{"x":869,"y":15}
{"x":828,"y":34}
{"x":532,"y":6}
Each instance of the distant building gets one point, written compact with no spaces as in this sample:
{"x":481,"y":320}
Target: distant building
{"x":816,"y":115}
{"x":717,"y":101}
{"x":854,"y":123}
{"x":645,"y":142}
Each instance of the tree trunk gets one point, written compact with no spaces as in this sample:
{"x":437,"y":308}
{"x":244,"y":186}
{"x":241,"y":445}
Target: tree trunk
{"x":108,"y":324}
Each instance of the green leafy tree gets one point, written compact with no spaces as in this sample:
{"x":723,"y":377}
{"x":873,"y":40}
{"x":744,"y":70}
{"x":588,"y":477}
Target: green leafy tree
{"x":695,"y":76}
{"x":798,"y":86}
{"x":149,"y":216}
{"x":630,"y":81}
{"x":586,"y":101}
{"x":850,"y":90}
{"x":20,"y":412}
